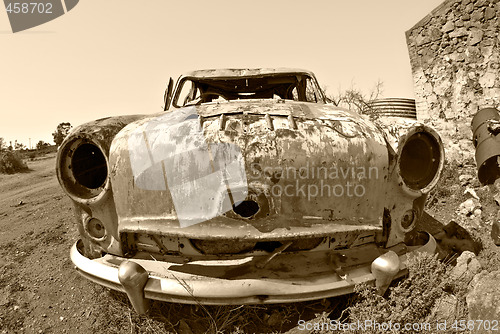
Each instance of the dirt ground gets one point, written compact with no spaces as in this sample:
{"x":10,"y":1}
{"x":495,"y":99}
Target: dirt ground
{"x":40,"y":292}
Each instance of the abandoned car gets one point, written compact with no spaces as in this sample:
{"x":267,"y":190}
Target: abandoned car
{"x":250,"y":187}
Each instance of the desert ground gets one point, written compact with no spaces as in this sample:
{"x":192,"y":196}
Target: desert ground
{"x":39,"y":290}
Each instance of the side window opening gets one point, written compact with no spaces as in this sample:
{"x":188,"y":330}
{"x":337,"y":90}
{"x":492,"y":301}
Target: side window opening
{"x":295,"y":94}
{"x":311,"y":94}
{"x":189,"y":92}
{"x":183,"y":96}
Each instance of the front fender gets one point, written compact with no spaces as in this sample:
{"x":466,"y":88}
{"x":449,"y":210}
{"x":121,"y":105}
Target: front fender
{"x":82,"y":169}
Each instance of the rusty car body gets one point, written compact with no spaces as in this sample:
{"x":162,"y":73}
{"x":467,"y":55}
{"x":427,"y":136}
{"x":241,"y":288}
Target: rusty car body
{"x":250,"y":187}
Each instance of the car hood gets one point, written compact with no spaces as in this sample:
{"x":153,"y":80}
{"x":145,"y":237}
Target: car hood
{"x":250,"y":169}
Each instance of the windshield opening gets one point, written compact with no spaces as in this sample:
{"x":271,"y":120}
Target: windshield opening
{"x":297,"y":87}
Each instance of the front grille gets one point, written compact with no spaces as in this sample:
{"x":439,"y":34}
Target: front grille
{"x":222,"y":247}
{"x":134,"y":243}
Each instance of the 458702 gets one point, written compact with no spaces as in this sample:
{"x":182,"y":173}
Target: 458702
{"x":29,"y":8}
{"x":474,"y":325}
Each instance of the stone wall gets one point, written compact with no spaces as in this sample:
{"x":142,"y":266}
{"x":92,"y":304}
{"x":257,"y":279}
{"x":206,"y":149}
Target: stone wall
{"x":455,"y":61}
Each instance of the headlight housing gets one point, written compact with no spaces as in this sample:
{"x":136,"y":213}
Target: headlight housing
{"x":83,"y":169}
{"x":421,"y":159}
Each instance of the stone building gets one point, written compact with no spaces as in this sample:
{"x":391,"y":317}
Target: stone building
{"x":455,"y":61}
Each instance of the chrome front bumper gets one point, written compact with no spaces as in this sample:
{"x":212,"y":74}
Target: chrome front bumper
{"x":291,"y":277}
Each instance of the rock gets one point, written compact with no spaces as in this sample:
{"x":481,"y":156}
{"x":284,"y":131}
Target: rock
{"x":496,"y":197}
{"x":275,"y":319}
{"x":435,"y":34}
{"x":453,"y":152}
{"x":455,"y":239}
{"x":483,"y":299}
{"x":465,"y":179}
{"x":467,"y":208}
{"x":495,"y":191}
{"x":475,"y":36}
{"x":471,"y":192}
{"x":419,"y":40}
{"x":483,"y":192}
{"x":467,"y":266}
{"x":488,"y":80}
{"x":489,"y":13}
{"x":20,"y":203}
{"x":449,"y":26}
{"x":445,"y":308}
{"x":184,"y":328}
{"x":448,"y":49}
{"x":4,"y":296}
{"x":495,"y":232}
{"x":482,"y":3}
{"x":458,"y":32}
{"x":477,"y":15}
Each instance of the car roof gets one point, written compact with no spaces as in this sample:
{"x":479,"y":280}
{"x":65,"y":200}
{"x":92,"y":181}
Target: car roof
{"x":243,"y":72}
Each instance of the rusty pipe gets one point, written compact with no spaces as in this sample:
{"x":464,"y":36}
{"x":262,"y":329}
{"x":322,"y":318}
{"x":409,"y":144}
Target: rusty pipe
{"x":486,"y":139}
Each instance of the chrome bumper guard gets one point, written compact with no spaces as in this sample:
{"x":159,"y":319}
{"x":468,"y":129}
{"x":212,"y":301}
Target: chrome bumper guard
{"x":314,"y":275}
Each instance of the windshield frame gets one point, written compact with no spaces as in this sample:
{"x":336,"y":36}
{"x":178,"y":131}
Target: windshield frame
{"x":306,"y":75}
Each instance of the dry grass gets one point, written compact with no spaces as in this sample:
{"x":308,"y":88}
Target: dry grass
{"x":116,"y":315}
{"x":409,"y":302}
{"x":11,"y":162}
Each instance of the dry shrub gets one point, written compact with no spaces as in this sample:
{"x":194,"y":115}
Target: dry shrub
{"x":410,"y":302}
{"x":11,"y":162}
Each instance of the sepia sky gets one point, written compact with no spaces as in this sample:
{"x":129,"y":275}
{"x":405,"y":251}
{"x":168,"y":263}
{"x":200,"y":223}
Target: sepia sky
{"x":114,"y":57}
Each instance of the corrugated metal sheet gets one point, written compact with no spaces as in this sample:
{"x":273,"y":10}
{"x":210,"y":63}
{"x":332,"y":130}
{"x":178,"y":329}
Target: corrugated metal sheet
{"x":393,"y":107}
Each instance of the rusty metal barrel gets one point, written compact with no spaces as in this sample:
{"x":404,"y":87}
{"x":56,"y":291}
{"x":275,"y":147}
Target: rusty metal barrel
{"x":486,"y":139}
{"x":393,"y":107}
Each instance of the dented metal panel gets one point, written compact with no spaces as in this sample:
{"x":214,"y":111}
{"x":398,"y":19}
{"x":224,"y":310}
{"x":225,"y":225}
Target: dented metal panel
{"x":322,"y":169}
